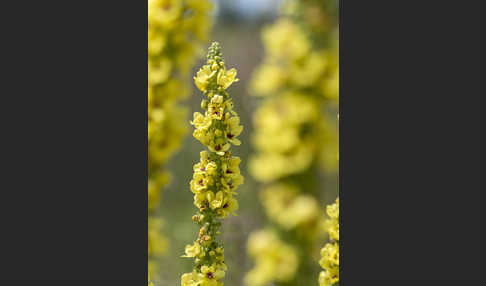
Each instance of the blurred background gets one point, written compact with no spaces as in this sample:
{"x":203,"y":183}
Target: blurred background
{"x":237,"y":27}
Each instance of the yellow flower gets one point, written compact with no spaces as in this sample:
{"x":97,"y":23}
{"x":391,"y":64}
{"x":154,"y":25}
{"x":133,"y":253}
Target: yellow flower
{"x":229,"y":207}
{"x":324,"y":279}
{"x":199,"y":199}
{"x":160,"y":71}
{"x":330,"y":252}
{"x":216,"y":201}
{"x":190,"y":279}
{"x":199,"y":183}
{"x":156,"y":242}
{"x":268,"y":78}
{"x":232,"y":181}
{"x":219,"y":146}
{"x":231,"y":166}
{"x":283,"y":205}
{"x":332,"y":224}
{"x":270,"y":166}
{"x":234,"y":129}
{"x":285,"y":40}
{"x":216,"y":107}
{"x":205,"y":168}
{"x":203,"y":76}
{"x":203,"y":136}
{"x":274,"y":259}
{"x":330,"y":262}
{"x":193,"y":250}
{"x":211,"y":168}
{"x":309,"y":71}
{"x":333,"y":210}
{"x":226,"y":78}
{"x":211,"y":275}
{"x":200,"y":121}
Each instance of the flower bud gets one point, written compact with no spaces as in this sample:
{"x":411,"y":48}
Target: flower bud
{"x":204,"y":104}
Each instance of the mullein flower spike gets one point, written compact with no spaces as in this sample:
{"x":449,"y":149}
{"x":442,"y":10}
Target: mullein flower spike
{"x":330,"y":252}
{"x":294,"y":138}
{"x":217,"y":175}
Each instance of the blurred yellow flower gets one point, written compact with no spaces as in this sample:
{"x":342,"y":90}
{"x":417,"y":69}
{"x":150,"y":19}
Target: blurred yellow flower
{"x":285,"y":39}
{"x":274,"y":259}
{"x":156,"y":242}
{"x":295,"y":128}
{"x":330,"y":252}
{"x":176,"y":31}
{"x":268,"y":78}
{"x":284,"y":205}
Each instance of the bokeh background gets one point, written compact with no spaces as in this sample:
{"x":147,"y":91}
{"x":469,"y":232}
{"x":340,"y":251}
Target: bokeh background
{"x":237,"y":27}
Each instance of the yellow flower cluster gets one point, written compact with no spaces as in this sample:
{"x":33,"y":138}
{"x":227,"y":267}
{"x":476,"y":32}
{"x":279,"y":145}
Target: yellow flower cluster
{"x":214,"y":182}
{"x":291,"y":60}
{"x":330,"y":252}
{"x":291,"y":132}
{"x":283,"y":147}
{"x":275,"y":260}
{"x":285,"y":206}
{"x":156,"y":242}
{"x":176,"y":31}
{"x":217,"y":175}
{"x":295,"y":126}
